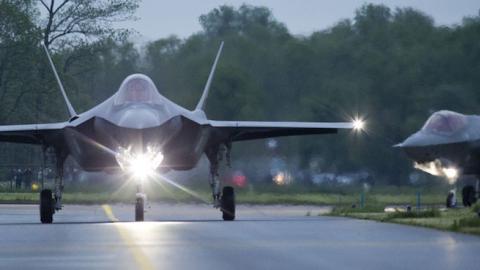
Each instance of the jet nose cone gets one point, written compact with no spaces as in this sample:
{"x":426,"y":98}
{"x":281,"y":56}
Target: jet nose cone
{"x":139,"y":118}
{"x":414,"y":140}
{"x":416,"y":147}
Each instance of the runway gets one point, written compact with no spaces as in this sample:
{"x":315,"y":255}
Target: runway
{"x":194,"y":237}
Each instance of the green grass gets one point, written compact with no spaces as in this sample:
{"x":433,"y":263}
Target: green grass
{"x":464,"y":220}
{"x":258,"y":194}
{"x":123,"y":191}
{"x":428,"y":213}
{"x":247,"y":197}
{"x":346,"y":210}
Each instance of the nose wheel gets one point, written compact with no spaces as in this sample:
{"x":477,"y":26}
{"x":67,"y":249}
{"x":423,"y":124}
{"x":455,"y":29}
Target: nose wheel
{"x":140,"y":207}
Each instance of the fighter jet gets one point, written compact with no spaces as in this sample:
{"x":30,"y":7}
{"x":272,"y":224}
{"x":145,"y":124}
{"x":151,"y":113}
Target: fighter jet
{"x":141,"y":133}
{"x":448,"y":145}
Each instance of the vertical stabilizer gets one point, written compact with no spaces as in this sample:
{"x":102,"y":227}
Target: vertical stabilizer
{"x":71,"y":111}
{"x":201,"y":103}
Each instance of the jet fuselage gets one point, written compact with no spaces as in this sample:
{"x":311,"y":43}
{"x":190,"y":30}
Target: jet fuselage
{"x":94,"y":138}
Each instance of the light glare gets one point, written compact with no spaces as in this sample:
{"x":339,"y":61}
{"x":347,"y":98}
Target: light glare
{"x":450,"y":173}
{"x":358,"y":124}
{"x":139,"y":165}
{"x":438,"y":169}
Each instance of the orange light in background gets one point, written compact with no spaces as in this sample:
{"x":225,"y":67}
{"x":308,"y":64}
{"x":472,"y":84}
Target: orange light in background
{"x":282,"y":178}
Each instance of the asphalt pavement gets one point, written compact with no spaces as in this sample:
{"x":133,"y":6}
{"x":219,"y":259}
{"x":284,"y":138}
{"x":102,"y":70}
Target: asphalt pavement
{"x":179,"y":236}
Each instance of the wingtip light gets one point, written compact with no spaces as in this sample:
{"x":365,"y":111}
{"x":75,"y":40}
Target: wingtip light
{"x":358,"y":124}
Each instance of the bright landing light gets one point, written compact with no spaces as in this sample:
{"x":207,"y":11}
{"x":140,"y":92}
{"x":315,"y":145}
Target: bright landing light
{"x":438,"y":169}
{"x":358,"y":124}
{"x":451,"y":173}
{"x":139,"y":165}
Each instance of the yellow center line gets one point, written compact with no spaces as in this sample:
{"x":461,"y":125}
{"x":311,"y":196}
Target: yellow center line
{"x":109,"y":213}
{"x":141,"y":258}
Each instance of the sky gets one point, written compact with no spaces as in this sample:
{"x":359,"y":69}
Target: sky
{"x":162,"y":18}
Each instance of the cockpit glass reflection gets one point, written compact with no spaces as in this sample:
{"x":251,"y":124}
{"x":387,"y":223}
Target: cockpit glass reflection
{"x":445,"y":122}
{"x":137,"y":88}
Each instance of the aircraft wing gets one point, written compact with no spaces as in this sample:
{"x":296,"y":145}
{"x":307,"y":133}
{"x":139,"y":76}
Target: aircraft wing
{"x":250,"y":130}
{"x":32,"y":133}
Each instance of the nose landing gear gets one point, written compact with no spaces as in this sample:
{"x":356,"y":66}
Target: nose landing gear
{"x":140,"y":207}
{"x":140,"y":200}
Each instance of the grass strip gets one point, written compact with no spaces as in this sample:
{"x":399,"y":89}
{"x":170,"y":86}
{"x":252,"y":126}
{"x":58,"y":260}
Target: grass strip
{"x":465,"y":220}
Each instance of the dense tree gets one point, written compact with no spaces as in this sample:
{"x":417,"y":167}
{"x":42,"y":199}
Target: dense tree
{"x":18,"y":37}
{"x":393,"y":66}
{"x":78,"y":21}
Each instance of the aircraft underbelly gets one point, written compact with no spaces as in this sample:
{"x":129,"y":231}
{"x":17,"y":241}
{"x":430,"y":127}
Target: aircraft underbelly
{"x":184,"y":150}
{"x":454,"y":152}
{"x":95,"y":144}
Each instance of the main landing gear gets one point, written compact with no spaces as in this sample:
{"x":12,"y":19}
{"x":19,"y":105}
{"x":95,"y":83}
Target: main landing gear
{"x":469,"y":196}
{"x":228,"y":203}
{"x":47,"y":206}
{"x":225,"y":200}
{"x":50,"y":202}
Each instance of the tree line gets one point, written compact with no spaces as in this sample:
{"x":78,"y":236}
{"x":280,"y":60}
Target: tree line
{"x":394,"y":67}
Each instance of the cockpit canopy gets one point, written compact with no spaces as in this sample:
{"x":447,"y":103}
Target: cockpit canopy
{"x":137,"y":88}
{"x":445,"y":122}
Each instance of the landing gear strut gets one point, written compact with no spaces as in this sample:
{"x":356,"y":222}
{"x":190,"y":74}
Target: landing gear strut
{"x":225,"y":200}
{"x":59,"y":188}
{"x":140,"y":200}
{"x":451,"y":199}
{"x":215,"y":156}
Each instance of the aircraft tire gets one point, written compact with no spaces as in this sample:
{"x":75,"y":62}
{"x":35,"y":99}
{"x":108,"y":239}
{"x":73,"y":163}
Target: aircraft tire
{"x":468,"y":196}
{"x":228,"y":203}
{"x":46,"y":206}
{"x":139,"y":209}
